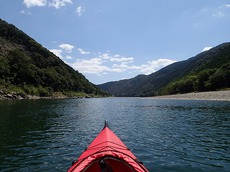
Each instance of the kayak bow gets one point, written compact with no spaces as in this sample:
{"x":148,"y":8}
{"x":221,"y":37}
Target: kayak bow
{"x":107,"y":153}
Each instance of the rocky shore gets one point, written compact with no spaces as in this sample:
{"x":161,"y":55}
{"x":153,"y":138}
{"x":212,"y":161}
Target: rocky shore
{"x":212,"y":95}
{"x":16,"y":96}
{"x":4,"y":95}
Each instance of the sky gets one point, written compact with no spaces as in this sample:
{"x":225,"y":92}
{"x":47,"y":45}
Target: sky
{"x":110,"y":40}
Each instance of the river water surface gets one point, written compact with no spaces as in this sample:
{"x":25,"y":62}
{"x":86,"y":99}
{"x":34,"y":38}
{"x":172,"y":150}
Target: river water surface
{"x":166,"y":135}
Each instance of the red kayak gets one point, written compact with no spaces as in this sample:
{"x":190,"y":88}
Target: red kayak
{"x":107,"y":153}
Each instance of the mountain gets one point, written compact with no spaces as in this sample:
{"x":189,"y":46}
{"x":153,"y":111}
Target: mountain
{"x":27,"y":68}
{"x":209,"y":70}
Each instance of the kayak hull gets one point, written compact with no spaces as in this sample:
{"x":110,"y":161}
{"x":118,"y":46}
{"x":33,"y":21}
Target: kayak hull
{"x":107,"y":153}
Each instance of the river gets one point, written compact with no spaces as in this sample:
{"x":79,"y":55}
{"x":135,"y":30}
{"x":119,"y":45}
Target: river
{"x":166,"y":135}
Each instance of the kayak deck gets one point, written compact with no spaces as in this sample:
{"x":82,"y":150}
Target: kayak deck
{"x":107,"y":153}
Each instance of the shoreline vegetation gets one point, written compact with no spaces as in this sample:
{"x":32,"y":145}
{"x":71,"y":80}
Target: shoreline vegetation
{"x":223,"y":95}
{"x":4,"y":95}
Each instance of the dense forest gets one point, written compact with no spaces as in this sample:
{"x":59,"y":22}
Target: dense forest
{"x":27,"y":68}
{"x":212,"y":73}
{"x":207,"y":71}
{"x":210,"y":79}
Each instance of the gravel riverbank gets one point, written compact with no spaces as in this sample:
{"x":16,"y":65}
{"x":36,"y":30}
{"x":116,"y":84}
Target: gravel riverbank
{"x":212,"y":95}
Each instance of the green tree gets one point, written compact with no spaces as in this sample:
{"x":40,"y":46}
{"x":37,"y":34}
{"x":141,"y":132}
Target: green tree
{"x":202,"y":78}
{"x":4,"y":69}
{"x":221,"y":78}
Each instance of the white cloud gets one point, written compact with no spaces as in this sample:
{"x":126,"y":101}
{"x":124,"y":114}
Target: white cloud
{"x":104,"y":56}
{"x":98,"y":65}
{"x":63,"y":47}
{"x":105,"y":63}
{"x":79,"y":11}
{"x":153,"y":66}
{"x":25,"y":13}
{"x":83,"y":52}
{"x":59,"y":3}
{"x":54,"y":3}
{"x":206,"y":49}
{"x":69,"y":57}
{"x":57,"y":52}
{"x":67,"y":47}
{"x":92,"y":66}
{"x":31,"y":3}
{"x":116,"y":58}
{"x":122,"y":59}
{"x":221,"y":11}
{"x":218,"y":14}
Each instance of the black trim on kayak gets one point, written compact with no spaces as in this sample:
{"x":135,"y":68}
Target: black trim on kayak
{"x":106,"y":125}
{"x":100,"y":151}
{"x":126,"y":165}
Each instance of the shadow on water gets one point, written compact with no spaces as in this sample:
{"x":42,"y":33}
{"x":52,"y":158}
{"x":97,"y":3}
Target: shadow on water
{"x":24,"y":125}
{"x":167,"y":135}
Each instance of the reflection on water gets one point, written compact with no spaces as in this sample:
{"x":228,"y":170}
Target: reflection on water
{"x":167,"y":135}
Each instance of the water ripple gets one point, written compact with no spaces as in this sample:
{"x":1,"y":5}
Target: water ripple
{"x":167,"y":135}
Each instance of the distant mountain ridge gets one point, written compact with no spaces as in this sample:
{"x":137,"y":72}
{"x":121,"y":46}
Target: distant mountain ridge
{"x":27,"y":68}
{"x":214,"y":62}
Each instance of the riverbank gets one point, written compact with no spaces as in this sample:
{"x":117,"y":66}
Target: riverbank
{"x":212,"y":95}
{"x":5,"y":95}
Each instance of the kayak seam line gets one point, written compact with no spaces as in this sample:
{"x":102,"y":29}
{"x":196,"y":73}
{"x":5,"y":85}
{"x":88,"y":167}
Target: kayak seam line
{"x":108,"y":142}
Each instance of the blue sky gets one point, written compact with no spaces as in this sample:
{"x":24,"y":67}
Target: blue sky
{"x":110,"y":40}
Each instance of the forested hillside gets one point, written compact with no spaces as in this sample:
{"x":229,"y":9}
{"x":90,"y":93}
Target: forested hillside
{"x":211,"y":73}
{"x":207,"y":71}
{"x":27,"y":68}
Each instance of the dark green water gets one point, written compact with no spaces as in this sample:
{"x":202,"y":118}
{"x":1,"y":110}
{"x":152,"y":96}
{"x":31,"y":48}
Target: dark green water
{"x":167,"y":135}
